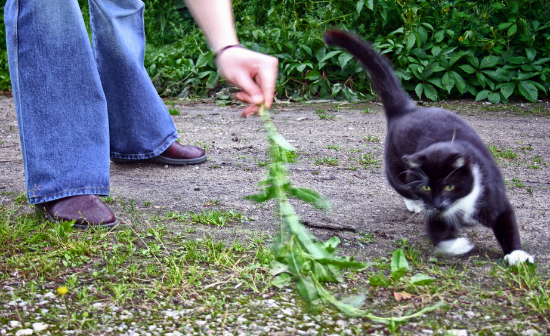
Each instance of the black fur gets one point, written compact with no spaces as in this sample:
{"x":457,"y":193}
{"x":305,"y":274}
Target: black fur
{"x":431,"y":155}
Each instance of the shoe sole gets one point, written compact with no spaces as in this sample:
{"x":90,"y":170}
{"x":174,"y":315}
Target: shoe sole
{"x":164,"y":160}
{"x":49,"y":217}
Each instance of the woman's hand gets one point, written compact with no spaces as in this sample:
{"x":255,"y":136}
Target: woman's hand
{"x":254,"y":73}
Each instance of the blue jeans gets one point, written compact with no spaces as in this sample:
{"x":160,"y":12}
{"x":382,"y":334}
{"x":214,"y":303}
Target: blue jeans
{"x":77,"y":104}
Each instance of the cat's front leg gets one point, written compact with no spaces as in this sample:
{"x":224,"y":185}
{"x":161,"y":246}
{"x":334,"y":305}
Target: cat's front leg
{"x":415,"y":206}
{"x":444,"y":237}
{"x":507,"y":235}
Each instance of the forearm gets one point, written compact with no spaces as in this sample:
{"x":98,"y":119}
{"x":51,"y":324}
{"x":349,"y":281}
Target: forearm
{"x":215,"y":19}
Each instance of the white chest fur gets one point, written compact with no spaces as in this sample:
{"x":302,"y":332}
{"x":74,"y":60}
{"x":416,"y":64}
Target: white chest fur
{"x":466,"y":206}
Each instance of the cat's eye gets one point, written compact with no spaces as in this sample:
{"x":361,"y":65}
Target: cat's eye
{"x":450,"y":187}
{"x":426,"y":188}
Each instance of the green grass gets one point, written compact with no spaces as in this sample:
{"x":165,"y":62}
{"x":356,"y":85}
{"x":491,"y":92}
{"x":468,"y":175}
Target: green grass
{"x":141,"y":273}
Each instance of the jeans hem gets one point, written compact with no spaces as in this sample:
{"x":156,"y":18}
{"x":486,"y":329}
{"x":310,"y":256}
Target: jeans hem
{"x":67,"y":193}
{"x":165,"y":144}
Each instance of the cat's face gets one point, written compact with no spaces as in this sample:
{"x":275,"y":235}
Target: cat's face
{"x":439,"y":175}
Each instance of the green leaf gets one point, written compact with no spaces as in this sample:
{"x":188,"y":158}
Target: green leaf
{"x":439,"y":36}
{"x":355,"y":301}
{"x":370,"y":4}
{"x":504,"y":25}
{"x":307,"y":49}
{"x":396,"y":275}
{"x":448,"y":82}
{"x":436,"y":50}
{"x":331,"y":244}
{"x":379,"y":280}
{"x":430,"y":92}
{"x":494,"y":97}
{"x":531,"y":54}
{"x":528,"y":90}
{"x":459,"y":82}
{"x":344,"y":58}
{"x":330,"y":55}
{"x":482,"y":95}
{"x":507,"y":89}
{"x":422,"y":279}
{"x":399,"y":261}
{"x":423,"y":33}
{"x":300,"y":67}
{"x":488,"y":62}
{"x":310,"y":196}
{"x":313,"y":75}
{"x":359,"y":6}
{"x":419,"y":89}
{"x":283,"y":143}
{"x":282,"y":280}
{"x":266,"y":195}
{"x":411,"y":40}
{"x":512,"y":30}
{"x":307,"y":289}
{"x":467,"y":69}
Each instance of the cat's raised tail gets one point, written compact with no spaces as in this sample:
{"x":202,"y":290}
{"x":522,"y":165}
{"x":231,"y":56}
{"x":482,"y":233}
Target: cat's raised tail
{"x":382,"y":76}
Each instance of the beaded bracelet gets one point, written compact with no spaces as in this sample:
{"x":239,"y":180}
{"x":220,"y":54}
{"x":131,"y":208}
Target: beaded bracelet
{"x":227,"y":47}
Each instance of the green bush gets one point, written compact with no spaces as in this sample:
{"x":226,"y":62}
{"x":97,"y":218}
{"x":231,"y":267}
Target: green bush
{"x":493,"y":50}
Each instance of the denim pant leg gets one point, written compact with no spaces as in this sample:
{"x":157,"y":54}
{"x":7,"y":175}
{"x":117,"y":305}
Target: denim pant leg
{"x":140,"y":125}
{"x":61,"y":107}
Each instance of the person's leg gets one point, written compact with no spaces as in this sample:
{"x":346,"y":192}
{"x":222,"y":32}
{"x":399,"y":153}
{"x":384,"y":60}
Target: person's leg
{"x":61,"y":108}
{"x":141,"y":129}
{"x":140,"y":125}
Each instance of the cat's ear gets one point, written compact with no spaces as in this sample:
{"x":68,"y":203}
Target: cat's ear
{"x":410,"y":161}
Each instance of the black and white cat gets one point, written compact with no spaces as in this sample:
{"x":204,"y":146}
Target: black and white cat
{"x":438,"y":163}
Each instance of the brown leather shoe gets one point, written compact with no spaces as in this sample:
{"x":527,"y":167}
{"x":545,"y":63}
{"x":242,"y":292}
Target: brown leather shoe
{"x":175,"y":154}
{"x":88,"y":211}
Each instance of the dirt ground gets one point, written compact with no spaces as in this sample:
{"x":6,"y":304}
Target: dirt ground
{"x":360,"y":195}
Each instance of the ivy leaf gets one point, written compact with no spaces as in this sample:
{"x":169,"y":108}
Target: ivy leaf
{"x":422,"y":279}
{"x":528,"y":90}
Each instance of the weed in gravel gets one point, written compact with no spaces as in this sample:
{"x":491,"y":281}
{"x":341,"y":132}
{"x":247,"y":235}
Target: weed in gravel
{"x":371,"y":138}
{"x":335,"y":147}
{"x":327,"y":160}
{"x":325,"y":115}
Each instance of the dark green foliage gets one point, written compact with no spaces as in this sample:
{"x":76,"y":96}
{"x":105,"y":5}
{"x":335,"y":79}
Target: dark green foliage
{"x":493,"y":50}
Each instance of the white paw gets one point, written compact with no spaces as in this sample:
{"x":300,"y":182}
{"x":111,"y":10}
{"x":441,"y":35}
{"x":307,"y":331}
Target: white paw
{"x":518,"y":256}
{"x":415,"y":206}
{"x":455,"y":246}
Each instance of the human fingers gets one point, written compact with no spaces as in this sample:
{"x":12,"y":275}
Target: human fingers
{"x":266,"y":78}
{"x":250,"y":110}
